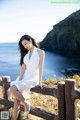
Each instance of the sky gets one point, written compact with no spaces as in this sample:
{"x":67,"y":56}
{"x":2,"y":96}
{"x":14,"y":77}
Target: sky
{"x":33,"y":17}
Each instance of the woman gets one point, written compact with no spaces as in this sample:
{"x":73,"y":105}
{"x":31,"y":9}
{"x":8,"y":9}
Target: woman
{"x":31,"y":61}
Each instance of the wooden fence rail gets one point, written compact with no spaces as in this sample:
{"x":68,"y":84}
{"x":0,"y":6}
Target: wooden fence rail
{"x":65,"y":92}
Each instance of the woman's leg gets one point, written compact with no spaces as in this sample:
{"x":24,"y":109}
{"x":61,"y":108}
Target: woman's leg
{"x":15,"y":109}
{"x":13,"y":90}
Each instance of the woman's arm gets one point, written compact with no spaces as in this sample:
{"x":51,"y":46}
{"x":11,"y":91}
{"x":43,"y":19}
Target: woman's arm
{"x":41,"y":54}
{"x":22,"y":70}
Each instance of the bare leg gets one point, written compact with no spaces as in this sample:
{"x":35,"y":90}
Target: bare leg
{"x":18,"y":95}
{"x":15,"y":109}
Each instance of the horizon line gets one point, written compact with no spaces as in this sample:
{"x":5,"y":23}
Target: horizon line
{"x":9,"y":42}
{"x":12,"y":42}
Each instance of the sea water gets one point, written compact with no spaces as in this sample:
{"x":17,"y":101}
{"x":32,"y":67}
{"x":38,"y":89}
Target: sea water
{"x":52,"y":67}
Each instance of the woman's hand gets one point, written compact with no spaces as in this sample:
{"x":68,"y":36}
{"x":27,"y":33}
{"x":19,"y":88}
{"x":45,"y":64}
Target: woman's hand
{"x":42,"y":85}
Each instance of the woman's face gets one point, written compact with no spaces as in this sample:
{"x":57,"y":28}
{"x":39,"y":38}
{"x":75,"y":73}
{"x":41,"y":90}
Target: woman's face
{"x":27,"y":44}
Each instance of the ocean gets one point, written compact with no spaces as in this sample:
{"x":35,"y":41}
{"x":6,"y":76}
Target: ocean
{"x":53,"y":63}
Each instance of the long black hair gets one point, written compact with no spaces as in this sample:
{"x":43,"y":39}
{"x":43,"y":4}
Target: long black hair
{"x":24,"y":51}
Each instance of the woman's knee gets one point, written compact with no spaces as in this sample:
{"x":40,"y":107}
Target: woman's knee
{"x":9,"y":89}
{"x":12,"y":89}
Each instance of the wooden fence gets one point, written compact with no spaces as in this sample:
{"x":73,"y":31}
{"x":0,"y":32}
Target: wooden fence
{"x":65,"y":92}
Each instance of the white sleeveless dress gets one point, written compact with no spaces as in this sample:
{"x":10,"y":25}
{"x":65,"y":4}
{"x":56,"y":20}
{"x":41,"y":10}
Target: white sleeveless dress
{"x":31,"y":75}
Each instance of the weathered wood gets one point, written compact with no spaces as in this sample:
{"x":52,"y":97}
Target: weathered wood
{"x":35,"y":111}
{"x":5,"y":88}
{"x":9,"y":103}
{"x":43,"y":114}
{"x":2,"y":101}
{"x":52,"y":91}
{"x":70,"y":104}
{"x":0,"y":83}
{"x":77,"y":94}
{"x":61,"y":101}
{"x":65,"y":93}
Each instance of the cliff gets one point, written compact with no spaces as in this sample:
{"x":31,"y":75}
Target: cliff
{"x":64,"y":38}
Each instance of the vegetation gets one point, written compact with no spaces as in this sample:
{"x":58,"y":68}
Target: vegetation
{"x":46,"y":102}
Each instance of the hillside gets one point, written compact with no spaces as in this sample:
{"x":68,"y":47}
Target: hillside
{"x":64,"y":38}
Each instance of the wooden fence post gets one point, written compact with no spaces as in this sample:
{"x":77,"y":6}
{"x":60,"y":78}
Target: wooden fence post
{"x":69,"y":96}
{"x":61,"y":101}
{"x":5,"y":94}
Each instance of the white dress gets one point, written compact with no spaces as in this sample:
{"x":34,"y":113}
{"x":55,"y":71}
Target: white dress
{"x":31,"y":75}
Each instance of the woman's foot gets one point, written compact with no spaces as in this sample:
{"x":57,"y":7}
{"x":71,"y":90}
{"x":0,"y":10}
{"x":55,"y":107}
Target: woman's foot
{"x":27,"y":108}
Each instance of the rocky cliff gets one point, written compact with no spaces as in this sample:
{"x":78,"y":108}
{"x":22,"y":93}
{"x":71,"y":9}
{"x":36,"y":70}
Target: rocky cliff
{"x":64,"y":38}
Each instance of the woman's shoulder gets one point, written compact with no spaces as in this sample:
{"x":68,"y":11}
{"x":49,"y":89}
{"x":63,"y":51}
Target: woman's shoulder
{"x":41,"y":52}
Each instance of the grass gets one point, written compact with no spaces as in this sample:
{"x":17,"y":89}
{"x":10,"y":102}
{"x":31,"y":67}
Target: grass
{"x":46,"y":102}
